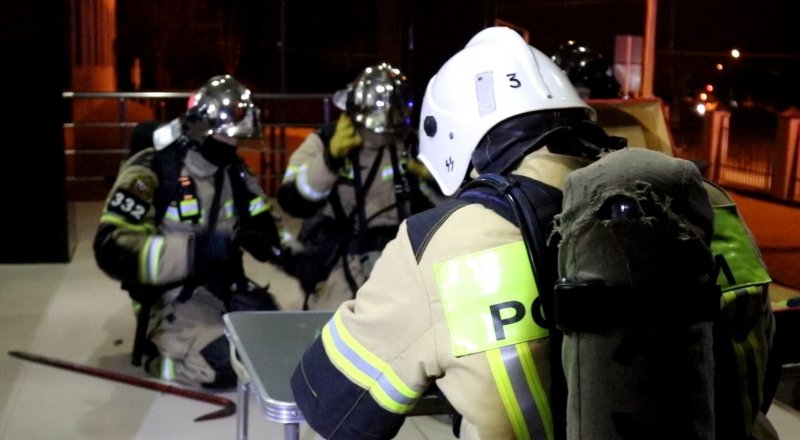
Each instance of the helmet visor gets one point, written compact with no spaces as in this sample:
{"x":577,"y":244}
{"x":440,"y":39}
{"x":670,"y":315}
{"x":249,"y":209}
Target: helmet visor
{"x":244,"y":122}
{"x":386,"y":110}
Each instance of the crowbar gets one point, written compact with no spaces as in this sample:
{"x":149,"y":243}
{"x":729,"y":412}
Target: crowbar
{"x":228,"y":406}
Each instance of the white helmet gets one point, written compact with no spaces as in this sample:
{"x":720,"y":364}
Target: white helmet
{"x":495,"y":77}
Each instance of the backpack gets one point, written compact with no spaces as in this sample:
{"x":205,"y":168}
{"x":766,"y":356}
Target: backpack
{"x":744,"y":329}
{"x":743,"y":326}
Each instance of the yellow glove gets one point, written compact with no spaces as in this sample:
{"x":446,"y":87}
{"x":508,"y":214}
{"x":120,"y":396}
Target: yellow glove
{"x":416,"y":167}
{"x":345,"y":137}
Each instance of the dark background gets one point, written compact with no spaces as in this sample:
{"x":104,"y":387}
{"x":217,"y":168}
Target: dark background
{"x":320,"y":45}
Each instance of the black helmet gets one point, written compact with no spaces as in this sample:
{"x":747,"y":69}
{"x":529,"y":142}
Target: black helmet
{"x":590,"y":72}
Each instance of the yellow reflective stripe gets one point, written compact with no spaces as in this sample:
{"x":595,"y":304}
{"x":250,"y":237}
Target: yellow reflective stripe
{"x":258,"y":205}
{"x":149,"y":258}
{"x":291,"y":170}
{"x":227,"y":208}
{"x":347,"y":170}
{"x":367,"y":370}
{"x":116,"y":220}
{"x":190,"y":207}
{"x":521,"y":391}
{"x":507,"y":394}
{"x":143,"y":259}
{"x":172,"y":213}
{"x":167,"y":369}
{"x":487,"y":297}
{"x":387,"y":173}
{"x":536,"y":388}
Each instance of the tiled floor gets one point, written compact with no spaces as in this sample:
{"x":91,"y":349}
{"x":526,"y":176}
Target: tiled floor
{"x":73,"y":312}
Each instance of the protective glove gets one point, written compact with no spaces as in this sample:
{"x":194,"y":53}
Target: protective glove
{"x":260,"y":237}
{"x":414,"y":166}
{"x":345,"y":138}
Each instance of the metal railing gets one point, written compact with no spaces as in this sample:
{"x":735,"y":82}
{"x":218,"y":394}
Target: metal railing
{"x":98,"y":128}
{"x":751,"y":151}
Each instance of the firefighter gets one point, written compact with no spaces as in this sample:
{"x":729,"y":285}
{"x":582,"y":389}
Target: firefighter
{"x":348,"y":181}
{"x":450,"y":302}
{"x":591,"y":72}
{"x":173,"y":230}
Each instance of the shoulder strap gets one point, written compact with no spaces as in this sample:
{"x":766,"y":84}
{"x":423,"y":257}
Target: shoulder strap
{"x":326,"y":132}
{"x":167,"y":165}
{"x":531,"y":205}
{"x":401,"y":186}
{"x":422,"y":226}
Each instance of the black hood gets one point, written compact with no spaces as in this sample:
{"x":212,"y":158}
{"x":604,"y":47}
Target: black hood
{"x":566,"y":131}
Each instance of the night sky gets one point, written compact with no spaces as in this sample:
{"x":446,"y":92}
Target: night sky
{"x":328,"y":43}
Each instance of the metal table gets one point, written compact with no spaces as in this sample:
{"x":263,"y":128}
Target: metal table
{"x":270,"y":345}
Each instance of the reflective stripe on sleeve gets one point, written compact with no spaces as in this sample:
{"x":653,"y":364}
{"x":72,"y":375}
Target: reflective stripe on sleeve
{"x":522,"y":391}
{"x":149,"y":259}
{"x":291,"y":171}
{"x":367,"y":370}
{"x":305,"y":189}
{"x":117,"y":220}
{"x":258,"y":205}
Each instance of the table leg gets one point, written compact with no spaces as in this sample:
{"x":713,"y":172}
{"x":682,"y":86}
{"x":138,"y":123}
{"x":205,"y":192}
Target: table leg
{"x":291,"y":431}
{"x":242,"y":402}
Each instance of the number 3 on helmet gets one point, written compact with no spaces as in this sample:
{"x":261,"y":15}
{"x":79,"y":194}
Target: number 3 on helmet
{"x":495,"y":77}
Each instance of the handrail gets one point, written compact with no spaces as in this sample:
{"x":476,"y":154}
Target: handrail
{"x":93,"y":165}
{"x":157,"y":95}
